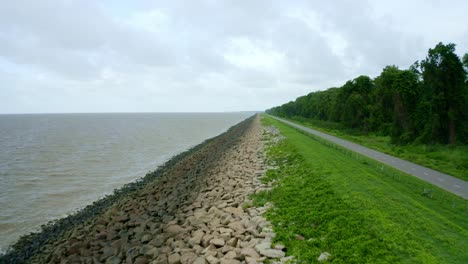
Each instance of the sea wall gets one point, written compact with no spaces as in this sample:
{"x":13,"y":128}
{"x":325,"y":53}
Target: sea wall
{"x":180,"y":174}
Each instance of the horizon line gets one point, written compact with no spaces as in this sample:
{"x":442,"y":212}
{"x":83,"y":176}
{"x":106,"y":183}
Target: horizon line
{"x":175,"y":112}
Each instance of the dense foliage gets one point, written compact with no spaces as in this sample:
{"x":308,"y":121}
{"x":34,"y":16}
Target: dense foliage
{"x":426,"y":103}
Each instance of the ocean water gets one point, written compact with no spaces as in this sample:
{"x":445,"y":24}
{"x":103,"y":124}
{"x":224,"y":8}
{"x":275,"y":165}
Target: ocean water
{"x":54,"y":164}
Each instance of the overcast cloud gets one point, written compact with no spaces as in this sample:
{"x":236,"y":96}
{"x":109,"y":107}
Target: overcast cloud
{"x":183,"y":56}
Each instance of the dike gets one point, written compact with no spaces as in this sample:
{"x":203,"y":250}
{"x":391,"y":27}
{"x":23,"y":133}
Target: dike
{"x":90,"y":235}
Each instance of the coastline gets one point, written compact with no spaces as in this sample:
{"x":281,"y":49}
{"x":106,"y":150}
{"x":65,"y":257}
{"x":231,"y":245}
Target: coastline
{"x":189,"y":164}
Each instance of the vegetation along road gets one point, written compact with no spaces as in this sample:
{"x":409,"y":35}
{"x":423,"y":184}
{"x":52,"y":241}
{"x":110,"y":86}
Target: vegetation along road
{"x":330,"y":203}
{"x":444,"y":181}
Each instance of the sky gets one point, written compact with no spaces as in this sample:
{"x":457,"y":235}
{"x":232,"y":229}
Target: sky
{"x":206,"y":56}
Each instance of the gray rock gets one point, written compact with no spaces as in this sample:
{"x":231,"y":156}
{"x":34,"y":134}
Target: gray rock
{"x":229,"y":261}
{"x":133,"y":252}
{"x":262,"y":246}
{"x":122,"y":218}
{"x":230,"y":255}
{"x":196,"y":237}
{"x":210,"y":251}
{"x":212,"y":260}
{"x":232,"y":242}
{"x":206,"y":240}
{"x":250,"y":260}
{"x":249,"y":252}
{"x":324,"y":256}
{"x":107,"y":252}
{"x":141,"y":260}
{"x":165,"y":249}
{"x":279,"y":247}
{"x":234,"y":210}
{"x":201,"y":216}
{"x":173,"y":258}
{"x":225,"y":230}
{"x":265,"y":250}
{"x":198,"y":249}
{"x":179,"y":244}
{"x":158,"y":241}
{"x":175,"y":229}
{"x":146,"y":238}
{"x":225,"y":218}
{"x":161,"y":259}
{"x":188,"y":258}
{"x":237,"y":226}
{"x":149,"y":250}
{"x":225,"y":236}
{"x":200,"y":260}
{"x":196,"y":222}
{"x":217,"y":242}
{"x":113,"y":260}
{"x":215,"y":222}
{"x":287,"y":259}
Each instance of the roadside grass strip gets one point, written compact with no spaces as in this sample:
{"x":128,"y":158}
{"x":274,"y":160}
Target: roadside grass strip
{"x":452,"y":160}
{"x":325,"y":200}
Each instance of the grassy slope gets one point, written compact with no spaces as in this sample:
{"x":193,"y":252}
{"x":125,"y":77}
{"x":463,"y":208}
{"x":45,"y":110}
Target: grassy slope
{"x":452,"y":160}
{"x":347,"y":208}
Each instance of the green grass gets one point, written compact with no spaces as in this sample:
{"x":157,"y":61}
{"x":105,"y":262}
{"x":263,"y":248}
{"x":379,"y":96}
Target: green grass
{"x":348,"y":208}
{"x":452,"y":160}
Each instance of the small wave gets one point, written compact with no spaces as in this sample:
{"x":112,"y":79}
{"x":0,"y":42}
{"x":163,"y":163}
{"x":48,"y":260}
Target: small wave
{"x":2,"y":252}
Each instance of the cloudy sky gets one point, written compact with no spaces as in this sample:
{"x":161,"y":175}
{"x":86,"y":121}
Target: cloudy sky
{"x":205,"y":56}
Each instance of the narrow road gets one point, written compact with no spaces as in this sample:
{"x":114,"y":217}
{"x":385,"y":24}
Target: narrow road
{"x":444,"y":181}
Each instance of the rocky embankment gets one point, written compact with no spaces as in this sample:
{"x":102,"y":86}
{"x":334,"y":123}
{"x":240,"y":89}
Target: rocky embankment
{"x":196,"y":211}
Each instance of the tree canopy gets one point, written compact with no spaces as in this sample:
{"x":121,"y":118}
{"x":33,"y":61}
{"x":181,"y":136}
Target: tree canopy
{"x":426,"y":103}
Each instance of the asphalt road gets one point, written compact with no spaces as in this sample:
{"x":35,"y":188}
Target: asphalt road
{"x":444,"y":181}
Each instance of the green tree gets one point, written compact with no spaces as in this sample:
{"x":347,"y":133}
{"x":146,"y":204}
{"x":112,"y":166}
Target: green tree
{"x":397,"y":93}
{"x":444,"y":85}
{"x":353,"y":102}
{"x":382,"y":110}
{"x":428,"y":102}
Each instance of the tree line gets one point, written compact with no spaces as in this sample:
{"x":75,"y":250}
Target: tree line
{"x":427,"y":103}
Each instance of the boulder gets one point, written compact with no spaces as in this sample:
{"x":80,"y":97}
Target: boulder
{"x":146,"y":238}
{"x":175,"y":229}
{"x":212,"y":259}
{"x":196,"y":237}
{"x":229,"y":261}
{"x":161,"y":259}
{"x":149,"y":250}
{"x":265,"y":250}
{"x":249,"y":252}
{"x":188,"y":258}
{"x":210,"y":251}
{"x":237,"y":226}
{"x":113,"y":260}
{"x":141,"y":260}
{"x":230,"y":255}
{"x":234,"y":210}
{"x":200,"y":260}
{"x":324,"y":256}
{"x":232,"y":242}
{"x":272,"y":253}
{"x":217,"y":242}
{"x":173,"y":259}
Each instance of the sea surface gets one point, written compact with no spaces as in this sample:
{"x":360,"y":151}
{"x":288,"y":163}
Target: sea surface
{"x":54,"y":164}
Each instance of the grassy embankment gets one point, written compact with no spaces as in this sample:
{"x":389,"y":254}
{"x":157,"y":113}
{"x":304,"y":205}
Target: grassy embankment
{"x":452,"y":160}
{"x":328,"y":201}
